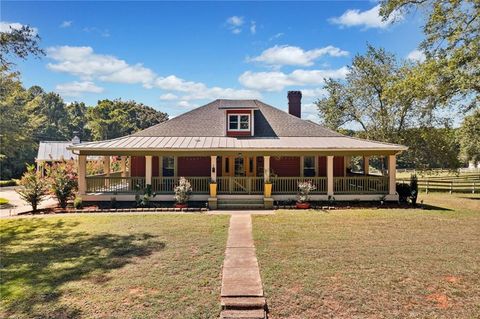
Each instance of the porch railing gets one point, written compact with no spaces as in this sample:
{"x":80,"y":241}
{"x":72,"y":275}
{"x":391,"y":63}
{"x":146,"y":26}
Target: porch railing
{"x":289,"y":185}
{"x":166,"y":185}
{"x":361,"y":185}
{"x":103,"y":184}
{"x":240,"y":185}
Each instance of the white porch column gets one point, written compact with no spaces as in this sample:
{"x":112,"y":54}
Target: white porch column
{"x":123,"y":165}
{"x":82,"y":173}
{"x":329,"y":175}
{"x":148,"y":170}
{"x":213,"y":168}
{"x":266,"y":168}
{"x":392,"y":171}
{"x":366,"y":165}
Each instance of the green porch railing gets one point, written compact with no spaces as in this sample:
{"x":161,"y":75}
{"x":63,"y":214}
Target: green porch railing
{"x":103,"y":184}
{"x":289,"y":185}
{"x":240,"y":185}
{"x":361,"y":185}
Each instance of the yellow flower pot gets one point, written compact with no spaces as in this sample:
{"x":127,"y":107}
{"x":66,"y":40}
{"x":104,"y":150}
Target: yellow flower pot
{"x":267,"y":190}
{"x":213,"y":190}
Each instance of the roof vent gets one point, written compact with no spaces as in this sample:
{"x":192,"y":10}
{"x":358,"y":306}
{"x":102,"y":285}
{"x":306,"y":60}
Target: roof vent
{"x":295,"y":103}
{"x":75,"y":140}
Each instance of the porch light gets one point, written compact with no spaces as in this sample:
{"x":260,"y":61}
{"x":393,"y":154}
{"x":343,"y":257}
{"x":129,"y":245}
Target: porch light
{"x":213,"y":169}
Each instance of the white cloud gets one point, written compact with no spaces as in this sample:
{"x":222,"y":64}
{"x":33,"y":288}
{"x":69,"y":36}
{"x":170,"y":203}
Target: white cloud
{"x":168,"y":97}
{"x":8,"y":26}
{"x":367,"y":19}
{"x":84,"y":63}
{"x":292,"y":55}
{"x":276,"y":36}
{"x":77,"y":88}
{"x":277,"y":81}
{"x":416,"y":56}
{"x":253,"y":27}
{"x":235,"y":21}
{"x":66,"y":24}
{"x":314,"y":93}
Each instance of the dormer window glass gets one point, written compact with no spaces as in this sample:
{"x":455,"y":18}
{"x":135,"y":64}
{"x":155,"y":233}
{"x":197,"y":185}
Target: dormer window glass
{"x":239,"y":122}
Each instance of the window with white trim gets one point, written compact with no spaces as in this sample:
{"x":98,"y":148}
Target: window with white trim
{"x":309,"y":166}
{"x":239,"y":122}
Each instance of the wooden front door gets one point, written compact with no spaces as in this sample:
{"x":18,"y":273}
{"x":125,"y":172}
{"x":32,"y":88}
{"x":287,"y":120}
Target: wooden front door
{"x":239,"y":166}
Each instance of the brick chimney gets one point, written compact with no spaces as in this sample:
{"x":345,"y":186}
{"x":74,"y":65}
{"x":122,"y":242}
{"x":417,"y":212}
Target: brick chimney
{"x":295,"y":103}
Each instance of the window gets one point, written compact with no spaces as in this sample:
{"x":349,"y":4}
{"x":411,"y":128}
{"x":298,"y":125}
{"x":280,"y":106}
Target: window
{"x":239,"y":122}
{"x":168,"y":166}
{"x":309,"y":166}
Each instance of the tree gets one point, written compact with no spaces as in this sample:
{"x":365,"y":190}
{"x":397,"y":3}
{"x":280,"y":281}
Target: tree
{"x":19,"y":43}
{"x":77,"y":121}
{"x":17,"y":145}
{"x":63,"y":181}
{"x":469,"y":135}
{"x":452,"y":42}
{"x":111,"y":119}
{"x":33,"y":189}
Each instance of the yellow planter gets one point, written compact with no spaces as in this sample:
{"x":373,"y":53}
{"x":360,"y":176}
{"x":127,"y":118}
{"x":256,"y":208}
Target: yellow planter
{"x":213,"y":190}
{"x":267,"y":190}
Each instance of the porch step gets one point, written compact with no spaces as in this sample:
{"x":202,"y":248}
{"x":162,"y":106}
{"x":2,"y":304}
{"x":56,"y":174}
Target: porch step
{"x":243,"y":314}
{"x":243,"y":203}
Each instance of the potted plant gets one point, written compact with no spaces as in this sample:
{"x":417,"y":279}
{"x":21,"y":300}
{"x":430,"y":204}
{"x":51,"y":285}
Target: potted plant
{"x":303,"y":196}
{"x":213,"y":189}
{"x":182,"y":193}
{"x":267,"y":191}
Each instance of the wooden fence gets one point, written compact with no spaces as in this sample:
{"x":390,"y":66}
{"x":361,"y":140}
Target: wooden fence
{"x":469,"y":183}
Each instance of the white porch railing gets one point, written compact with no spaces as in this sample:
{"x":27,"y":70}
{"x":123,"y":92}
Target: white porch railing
{"x":361,"y":185}
{"x":240,"y":185}
{"x":103,"y":184}
{"x":289,"y":185}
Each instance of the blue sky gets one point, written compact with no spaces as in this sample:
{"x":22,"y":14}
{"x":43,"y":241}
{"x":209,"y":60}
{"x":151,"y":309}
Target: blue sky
{"x":174,"y":56}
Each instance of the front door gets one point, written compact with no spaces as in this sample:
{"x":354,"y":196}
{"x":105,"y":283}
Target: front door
{"x":238,"y":169}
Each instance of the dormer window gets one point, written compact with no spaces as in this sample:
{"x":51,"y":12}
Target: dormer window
{"x":239,"y":122}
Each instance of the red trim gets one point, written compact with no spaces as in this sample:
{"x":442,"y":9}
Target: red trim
{"x":239,"y":133}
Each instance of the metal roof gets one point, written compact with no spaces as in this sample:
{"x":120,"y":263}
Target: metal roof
{"x":54,"y":151}
{"x":152,"y":143}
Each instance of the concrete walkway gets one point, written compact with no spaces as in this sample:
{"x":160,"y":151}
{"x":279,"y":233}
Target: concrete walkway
{"x":17,"y":205}
{"x":242,"y":291}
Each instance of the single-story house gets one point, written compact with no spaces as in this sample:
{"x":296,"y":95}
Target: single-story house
{"x":240,"y":145}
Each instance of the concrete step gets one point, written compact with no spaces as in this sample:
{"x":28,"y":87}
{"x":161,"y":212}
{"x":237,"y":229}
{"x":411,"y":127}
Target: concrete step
{"x":238,"y":303}
{"x":243,"y":314}
{"x":241,"y":203}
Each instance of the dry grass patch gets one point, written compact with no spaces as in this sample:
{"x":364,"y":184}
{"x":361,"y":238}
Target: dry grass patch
{"x":373,"y":263}
{"x":116,"y":266}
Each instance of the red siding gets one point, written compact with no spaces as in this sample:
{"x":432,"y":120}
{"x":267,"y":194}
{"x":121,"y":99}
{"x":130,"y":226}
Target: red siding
{"x":244,"y":133}
{"x":285,"y":166}
{"x":338,"y":166}
{"x":138,"y":166}
{"x":193,"y":166}
{"x":322,"y":166}
{"x":155,"y":166}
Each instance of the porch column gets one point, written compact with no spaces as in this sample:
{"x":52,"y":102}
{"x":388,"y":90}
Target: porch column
{"x":392,"y":171}
{"x":330,"y":175}
{"x":82,"y":173}
{"x":213,"y":168}
{"x":106,"y":170}
{"x":123,"y":165}
{"x":148,"y":170}
{"x":366,"y":165}
{"x":266,"y":168}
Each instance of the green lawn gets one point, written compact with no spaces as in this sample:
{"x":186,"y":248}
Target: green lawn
{"x":368,"y":263}
{"x":112,"y":266}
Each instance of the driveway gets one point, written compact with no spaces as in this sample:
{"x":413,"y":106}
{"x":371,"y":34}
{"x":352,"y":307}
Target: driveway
{"x":16,"y":205}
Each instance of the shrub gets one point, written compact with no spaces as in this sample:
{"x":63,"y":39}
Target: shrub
{"x":182,"y":191}
{"x":62,"y":180}
{"x":304,"y":189}
{"x":413,"y":189}
{"x":143,"y":196}
{"x":34,"y":188}
{"x":404,"y":192}
{"x":77,"y":203}
{"x":10,"y":182}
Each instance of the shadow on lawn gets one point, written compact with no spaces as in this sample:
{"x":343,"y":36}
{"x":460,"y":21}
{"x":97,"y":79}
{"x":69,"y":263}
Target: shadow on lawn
{"x":39,"y":256}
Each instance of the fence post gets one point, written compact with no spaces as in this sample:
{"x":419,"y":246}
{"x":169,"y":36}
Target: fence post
{"x":451,"y":187}
{"x":473,"y":188}
{"x":426,"y":188}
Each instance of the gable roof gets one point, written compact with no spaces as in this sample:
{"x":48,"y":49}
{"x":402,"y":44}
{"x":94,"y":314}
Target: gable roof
{"x":209,"y":120}
{"x":204,"y":128}
{"x":54,"y":151}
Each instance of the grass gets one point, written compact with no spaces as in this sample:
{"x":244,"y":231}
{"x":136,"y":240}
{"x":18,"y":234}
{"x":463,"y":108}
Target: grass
{"x":373,"y":263}
{"x":112,"y":266}
{"x":3,"y":201}
{"x":10,"y":182}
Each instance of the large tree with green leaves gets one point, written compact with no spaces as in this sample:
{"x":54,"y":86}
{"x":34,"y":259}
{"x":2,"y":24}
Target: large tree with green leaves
{"x":111,"y":119}
{"x":18,"y":43}
{"x":469,"y":135}
{"x":451,"y":44}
